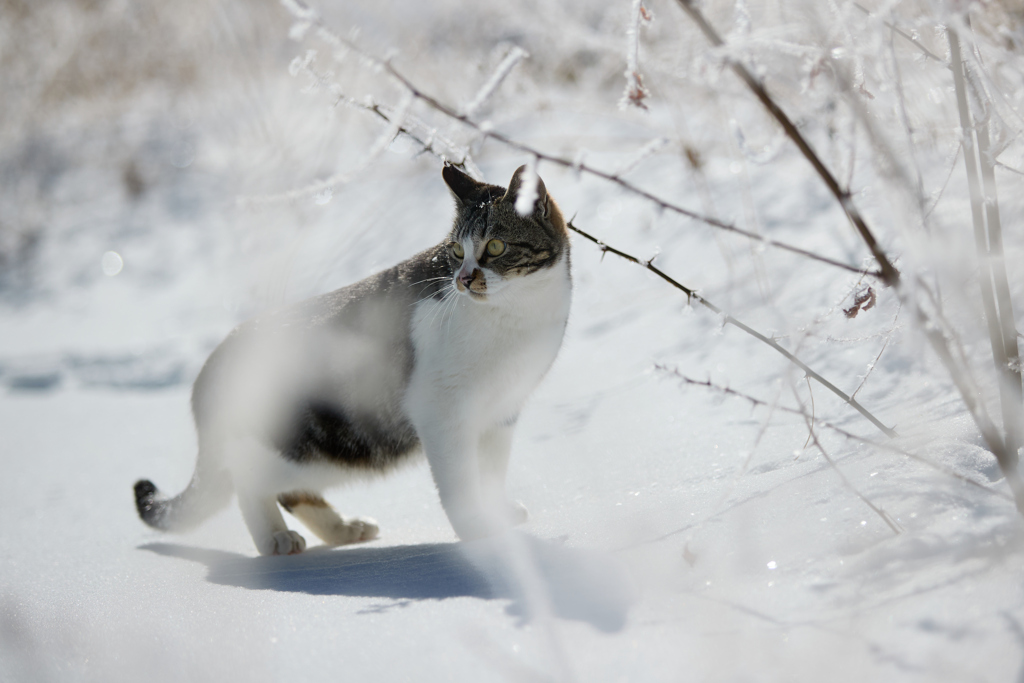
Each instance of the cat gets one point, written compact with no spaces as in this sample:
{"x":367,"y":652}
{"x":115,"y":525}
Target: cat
{"x":436,"y":355}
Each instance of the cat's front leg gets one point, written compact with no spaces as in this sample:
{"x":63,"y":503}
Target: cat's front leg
{"x":495,"y":448}
{"x":452,"y":455}
{"x":267,"y":527}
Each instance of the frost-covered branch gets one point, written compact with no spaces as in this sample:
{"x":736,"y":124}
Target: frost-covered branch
{"x":889,"y":274}
{"x":515,"y":55}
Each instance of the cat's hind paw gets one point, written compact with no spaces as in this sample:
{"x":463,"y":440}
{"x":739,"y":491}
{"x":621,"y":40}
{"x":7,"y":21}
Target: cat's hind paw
{"x":283,"y":543}
{"x":350,"y":530}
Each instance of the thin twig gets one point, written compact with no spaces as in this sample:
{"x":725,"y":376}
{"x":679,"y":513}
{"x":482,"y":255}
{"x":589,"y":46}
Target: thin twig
{"x":888,"y":338}
{"x":810,"y":392}
{"x":1011,"y":169}
{"x":692,"y":295}
{"x":896,"y":529}
{"x":889,"y":274}
{"x":942,"y":190}
{"x":753,"y":400}
{"x":927,"y":53}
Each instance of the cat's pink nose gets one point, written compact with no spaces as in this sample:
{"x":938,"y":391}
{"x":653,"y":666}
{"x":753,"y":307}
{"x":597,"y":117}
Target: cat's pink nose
{"x":466,"y":278}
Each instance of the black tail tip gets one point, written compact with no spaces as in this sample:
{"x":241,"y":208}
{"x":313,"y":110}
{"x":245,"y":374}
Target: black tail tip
{"x":145,"y":492}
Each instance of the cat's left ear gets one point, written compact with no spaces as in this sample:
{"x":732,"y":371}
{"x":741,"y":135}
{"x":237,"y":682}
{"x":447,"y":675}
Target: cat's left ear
{"x":540,"y":204}
{"x":466,"y":189}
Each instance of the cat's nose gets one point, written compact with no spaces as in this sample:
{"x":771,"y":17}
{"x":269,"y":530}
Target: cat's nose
{"x":466,"y":278}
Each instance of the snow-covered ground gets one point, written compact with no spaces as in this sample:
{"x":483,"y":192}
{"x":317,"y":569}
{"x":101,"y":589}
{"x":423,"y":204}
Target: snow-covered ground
{"x":676,"y":532}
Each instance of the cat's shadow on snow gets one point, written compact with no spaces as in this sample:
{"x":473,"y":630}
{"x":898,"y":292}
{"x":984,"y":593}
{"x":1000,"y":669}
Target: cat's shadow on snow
{"x":536,"y":575}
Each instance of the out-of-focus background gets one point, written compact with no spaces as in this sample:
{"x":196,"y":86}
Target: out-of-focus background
{"x":169,"y":170}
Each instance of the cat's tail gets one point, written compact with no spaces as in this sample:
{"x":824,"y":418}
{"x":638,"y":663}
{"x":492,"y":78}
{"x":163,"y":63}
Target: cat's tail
{"x":206,"y":493}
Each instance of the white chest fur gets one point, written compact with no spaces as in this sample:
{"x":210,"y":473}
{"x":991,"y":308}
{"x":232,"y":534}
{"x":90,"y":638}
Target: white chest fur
{"x":482,"y":359}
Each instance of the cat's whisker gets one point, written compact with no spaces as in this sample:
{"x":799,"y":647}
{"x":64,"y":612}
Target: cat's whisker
{"x":451,"y":314}
{"x":432,"y":294}
{"x":430,"y":279}
{"x":455,"y":300}
{"x":441,"y":304}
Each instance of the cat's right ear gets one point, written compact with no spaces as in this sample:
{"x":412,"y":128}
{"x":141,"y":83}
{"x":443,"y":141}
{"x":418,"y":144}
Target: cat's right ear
{"x":466,"y":189}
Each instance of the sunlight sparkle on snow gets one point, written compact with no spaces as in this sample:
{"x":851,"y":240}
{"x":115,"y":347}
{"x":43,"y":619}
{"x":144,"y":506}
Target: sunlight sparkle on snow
{"x":112,"y":263}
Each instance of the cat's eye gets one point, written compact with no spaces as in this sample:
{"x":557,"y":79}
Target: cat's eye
{"x":457,"y":250}
{"x":495,"y":248}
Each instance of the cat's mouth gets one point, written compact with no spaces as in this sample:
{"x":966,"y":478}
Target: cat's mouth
{"x":472,"y":294}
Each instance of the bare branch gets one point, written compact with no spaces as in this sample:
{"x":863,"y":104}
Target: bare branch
{"x":888,"y":338}
{"x":729,"y":320}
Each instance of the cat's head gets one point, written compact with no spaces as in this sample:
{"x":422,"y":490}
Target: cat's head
{"x":491,"y":246}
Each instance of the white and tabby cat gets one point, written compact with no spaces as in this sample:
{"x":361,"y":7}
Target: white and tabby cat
{"x":437,"y":354}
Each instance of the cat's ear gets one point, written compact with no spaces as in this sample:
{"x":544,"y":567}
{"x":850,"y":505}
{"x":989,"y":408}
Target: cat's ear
{"x":466,"y":189}
{"x":540,"y":203}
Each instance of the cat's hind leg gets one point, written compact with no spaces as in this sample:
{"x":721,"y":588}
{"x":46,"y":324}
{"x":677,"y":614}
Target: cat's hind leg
{"x":333,"y":529}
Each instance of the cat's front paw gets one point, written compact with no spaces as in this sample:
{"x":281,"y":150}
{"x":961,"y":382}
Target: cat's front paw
{"x":283,"y":543}
{"x":516,"y":513}
{"x":351,"y":530}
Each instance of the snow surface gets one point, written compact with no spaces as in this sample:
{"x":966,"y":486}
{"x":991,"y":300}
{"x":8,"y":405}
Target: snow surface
{"x":675,"y":534}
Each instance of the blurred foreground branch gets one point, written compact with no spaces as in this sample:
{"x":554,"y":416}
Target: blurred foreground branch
{"x":993,"y":281}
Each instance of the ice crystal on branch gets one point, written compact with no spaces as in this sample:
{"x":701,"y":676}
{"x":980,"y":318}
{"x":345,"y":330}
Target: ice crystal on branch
{"x":636,"y":92}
